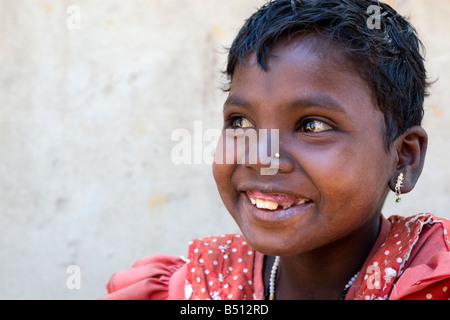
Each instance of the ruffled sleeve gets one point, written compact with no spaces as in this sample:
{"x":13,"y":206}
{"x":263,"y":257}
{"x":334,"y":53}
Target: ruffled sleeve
{"x":159,"y":277}
{"x":413,"y":263}
{"x":425,"y":282}
{"x":428,"y":275}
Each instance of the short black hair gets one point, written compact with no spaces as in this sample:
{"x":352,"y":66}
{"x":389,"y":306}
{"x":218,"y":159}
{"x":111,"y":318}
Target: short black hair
{"x":388,"y":56}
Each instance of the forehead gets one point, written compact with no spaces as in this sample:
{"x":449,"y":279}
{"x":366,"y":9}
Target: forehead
{"x":303,"y":65}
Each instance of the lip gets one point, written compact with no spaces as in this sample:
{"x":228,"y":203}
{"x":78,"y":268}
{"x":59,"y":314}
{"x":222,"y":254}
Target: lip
{"x":282,"y":200}
{"x":269,"y":190}
{"x":273,"y":217}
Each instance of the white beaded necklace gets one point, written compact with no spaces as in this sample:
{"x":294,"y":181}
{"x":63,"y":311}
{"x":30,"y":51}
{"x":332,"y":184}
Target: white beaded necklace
{"x":273,"y":274}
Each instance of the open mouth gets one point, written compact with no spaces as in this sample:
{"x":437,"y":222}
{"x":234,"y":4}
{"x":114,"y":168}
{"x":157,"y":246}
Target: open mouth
{"x":274,"y":201}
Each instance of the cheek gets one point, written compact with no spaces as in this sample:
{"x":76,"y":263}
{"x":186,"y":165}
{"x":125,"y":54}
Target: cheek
{"x":222,"y":175}
{"x":230,"y":197}
{"x":349,"y":178}
{"x":224,"y":161}
{"x":224,"y":166}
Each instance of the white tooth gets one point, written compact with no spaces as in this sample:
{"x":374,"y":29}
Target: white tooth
{"x":302,"y":201}
{"x":260,"y":203}
{"x":265,"y":204}
{"x":286,"y":207}
{"x":253,"y":201}
{"x":271,"y":205}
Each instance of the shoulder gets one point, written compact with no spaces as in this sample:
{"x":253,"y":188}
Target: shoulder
{"x":419,"y":225}
{"x":227,"y":247}
{"x":412,"y":263}
{"x":220,"y":267}
{"x":223,"y":267}
{"x":426,"y":273}
{"x":158,"y":277}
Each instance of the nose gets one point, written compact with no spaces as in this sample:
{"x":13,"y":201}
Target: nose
{"x":266,"y":157}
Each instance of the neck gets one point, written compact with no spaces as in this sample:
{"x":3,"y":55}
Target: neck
{"x":322,"y":273}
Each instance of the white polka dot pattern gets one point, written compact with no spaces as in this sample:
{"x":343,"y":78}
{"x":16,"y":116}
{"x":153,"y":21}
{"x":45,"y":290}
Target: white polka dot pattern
{"x":386,"y":266}
{"x":220,"y":268}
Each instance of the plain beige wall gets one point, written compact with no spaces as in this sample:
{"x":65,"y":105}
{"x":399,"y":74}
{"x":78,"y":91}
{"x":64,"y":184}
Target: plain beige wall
{"x":87,"y":109}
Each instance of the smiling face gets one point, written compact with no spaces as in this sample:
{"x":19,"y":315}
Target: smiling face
{"x":334,"y":168}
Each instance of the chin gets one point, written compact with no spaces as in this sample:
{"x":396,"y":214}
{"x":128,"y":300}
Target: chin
{"x":279,"y":232}
{"x":278,"y":242}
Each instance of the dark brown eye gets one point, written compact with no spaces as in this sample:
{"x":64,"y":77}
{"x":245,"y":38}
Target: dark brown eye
{"x":241,"y":122}
{"x":314,"y":126}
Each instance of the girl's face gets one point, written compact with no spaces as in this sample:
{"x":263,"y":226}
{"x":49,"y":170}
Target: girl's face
{"x":334,"y":168}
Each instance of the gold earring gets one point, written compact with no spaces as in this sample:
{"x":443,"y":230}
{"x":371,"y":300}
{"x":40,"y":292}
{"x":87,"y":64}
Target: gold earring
{"x":398,"y":187}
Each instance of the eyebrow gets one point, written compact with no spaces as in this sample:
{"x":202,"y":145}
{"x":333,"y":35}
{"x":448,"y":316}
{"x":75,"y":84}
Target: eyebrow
{"x":318,"y":100}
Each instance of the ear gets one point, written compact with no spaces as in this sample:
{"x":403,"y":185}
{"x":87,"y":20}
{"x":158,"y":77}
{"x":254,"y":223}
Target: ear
{"x":411,"y":148}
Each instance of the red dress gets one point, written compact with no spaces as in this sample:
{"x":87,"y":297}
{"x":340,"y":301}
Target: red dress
{"x":409,"y":260}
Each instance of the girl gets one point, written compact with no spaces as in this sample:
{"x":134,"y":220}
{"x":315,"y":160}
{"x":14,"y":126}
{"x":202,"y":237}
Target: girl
{"x":345,"y":98}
